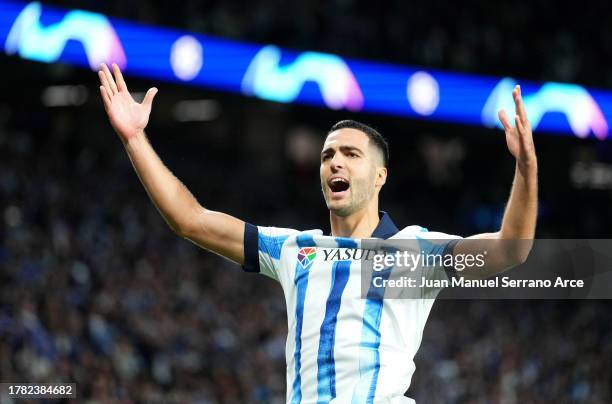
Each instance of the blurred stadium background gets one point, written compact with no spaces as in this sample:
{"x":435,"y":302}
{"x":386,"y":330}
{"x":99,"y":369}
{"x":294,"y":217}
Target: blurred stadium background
{"x":95,"y":289}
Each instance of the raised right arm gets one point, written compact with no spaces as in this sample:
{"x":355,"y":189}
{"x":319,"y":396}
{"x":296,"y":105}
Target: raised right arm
{"x":214,"y":231}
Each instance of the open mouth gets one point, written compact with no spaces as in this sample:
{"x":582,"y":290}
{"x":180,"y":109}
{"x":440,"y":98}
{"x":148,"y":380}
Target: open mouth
{"x":338,"y":185}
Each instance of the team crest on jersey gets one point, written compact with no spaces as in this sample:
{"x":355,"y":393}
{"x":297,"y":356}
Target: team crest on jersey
{"x":306,"y":256}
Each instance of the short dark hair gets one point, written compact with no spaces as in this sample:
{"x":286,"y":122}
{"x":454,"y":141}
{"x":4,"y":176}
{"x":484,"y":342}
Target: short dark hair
{"x":375,"y":137}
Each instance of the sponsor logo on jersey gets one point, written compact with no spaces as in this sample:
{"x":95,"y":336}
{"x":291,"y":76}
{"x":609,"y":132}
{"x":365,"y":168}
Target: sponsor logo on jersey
{"x":306,"y":256}
{"x":348,"y":254}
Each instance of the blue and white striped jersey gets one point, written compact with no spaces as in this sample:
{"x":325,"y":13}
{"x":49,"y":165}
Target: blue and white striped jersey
{"x":341,"y":348}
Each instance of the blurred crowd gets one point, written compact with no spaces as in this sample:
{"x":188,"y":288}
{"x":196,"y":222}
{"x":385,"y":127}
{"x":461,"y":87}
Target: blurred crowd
{"x":515,"y":352}
{"x":95,"y":290}
{"x":536,"y":40}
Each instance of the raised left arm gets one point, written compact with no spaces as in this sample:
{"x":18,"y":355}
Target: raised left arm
{"x":511,"y":245}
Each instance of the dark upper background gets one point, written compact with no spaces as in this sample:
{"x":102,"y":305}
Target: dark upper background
{"x":94,"y":288}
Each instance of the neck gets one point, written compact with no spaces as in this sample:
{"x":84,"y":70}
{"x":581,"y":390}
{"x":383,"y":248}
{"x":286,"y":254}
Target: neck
{"x":360,"y":224}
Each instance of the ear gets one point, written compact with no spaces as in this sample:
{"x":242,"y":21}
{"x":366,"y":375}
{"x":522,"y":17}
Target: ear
{"x":381,"y":176}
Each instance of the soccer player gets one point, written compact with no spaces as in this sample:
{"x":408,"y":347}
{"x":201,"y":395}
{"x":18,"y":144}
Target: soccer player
{"x":341,"y":348}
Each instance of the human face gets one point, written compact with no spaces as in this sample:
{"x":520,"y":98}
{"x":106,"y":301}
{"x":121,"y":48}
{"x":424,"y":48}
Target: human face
{"x":351,"y":171}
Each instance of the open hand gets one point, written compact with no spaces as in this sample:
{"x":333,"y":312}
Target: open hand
{"x":127,"y":117}
{"x":519,"y":138}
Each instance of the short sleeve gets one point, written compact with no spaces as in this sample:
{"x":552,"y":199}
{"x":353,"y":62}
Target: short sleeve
{"x":442,"y":245}
{"x":263,"y":247}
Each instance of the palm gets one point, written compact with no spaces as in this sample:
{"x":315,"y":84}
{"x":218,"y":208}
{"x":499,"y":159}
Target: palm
{"x":127,"y":116}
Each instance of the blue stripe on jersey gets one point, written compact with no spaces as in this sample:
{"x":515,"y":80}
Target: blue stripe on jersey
{"x":271,"y":245}
{"x":429,"y":247}
{"x":345,"y":242}
{"x":301,"y":283}
{"x":369,"y":357}
{"x":326,"y":374}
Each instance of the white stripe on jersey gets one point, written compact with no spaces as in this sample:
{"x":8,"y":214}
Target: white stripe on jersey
{"x":342,"y":348}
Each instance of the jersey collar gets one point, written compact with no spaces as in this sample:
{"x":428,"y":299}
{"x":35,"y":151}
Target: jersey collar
{"x":386,"y":228}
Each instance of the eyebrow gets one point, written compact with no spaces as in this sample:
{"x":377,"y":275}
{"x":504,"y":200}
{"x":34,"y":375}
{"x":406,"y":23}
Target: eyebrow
{"x":342,"y":148}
